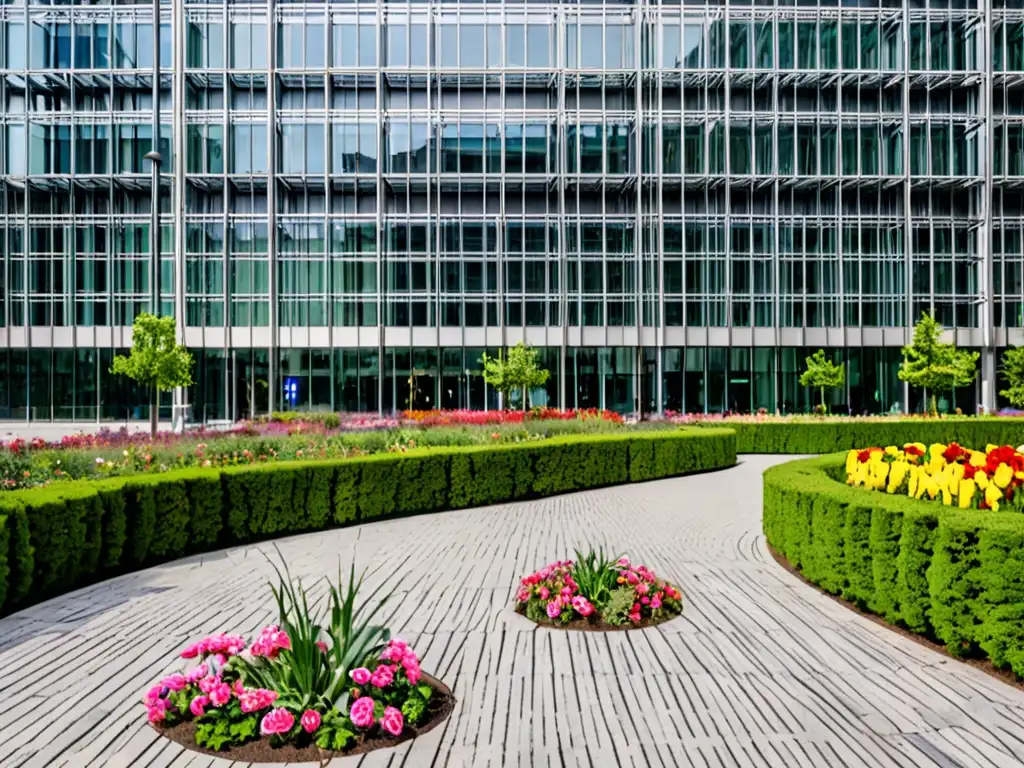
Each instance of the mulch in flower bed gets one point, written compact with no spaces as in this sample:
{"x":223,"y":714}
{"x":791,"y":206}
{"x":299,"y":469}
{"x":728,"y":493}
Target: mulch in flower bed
{"x":441,"y":704}
{"x":593,"y":623}
{"x":984,"y":665}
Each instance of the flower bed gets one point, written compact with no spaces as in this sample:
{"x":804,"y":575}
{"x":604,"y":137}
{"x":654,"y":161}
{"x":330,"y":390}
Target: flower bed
{"x":951,"y":474}
{"x":467,"y":417}
{"x":309,"y":687}
{"x":597,"y":593}
{"x":947,"y":573}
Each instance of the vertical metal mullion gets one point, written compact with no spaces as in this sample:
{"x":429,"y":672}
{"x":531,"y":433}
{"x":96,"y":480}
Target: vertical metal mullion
{"x":908,"y":319}
{"x":986,"y":234}
{"x":272,"y":201}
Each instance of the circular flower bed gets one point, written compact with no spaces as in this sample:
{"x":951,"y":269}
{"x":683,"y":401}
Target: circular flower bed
{"x":300,"y":691}
{"x":597,"y":593}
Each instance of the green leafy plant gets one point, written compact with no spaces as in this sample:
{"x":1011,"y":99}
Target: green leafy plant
{"x":934,"y":365}
{"x":1011,"y":370}
{"x":596,"y":576}
{"x":620,"y":603}
{"x":227,"y":726}
{"x":822,"y":374}
{"x":305,"y":675}
{"x":157,"y":361}
{"x":516,"y":370}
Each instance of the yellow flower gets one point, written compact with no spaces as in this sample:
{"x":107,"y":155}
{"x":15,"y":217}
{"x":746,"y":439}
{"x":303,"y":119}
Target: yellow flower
{"x":993,"y":496}
{"x":851,"y":461}
{"x":914,"y":479}
{"x":989,"y":448}
{"x":860,"y":475}
{"x":947,"y":497}
{"x":920,"y":446}
{"x":956,"y":471}
{"x":891,"y":450}
{"x":897,"y":471}
{"x":981,"y":479}
{"x":978,"y":459}
{"x":966,"y":493}
{"x":930,"y":487}
{"x":1003,"y":475}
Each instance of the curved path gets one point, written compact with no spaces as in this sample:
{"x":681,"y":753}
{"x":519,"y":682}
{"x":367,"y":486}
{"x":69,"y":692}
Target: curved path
{"x":760,"y":671}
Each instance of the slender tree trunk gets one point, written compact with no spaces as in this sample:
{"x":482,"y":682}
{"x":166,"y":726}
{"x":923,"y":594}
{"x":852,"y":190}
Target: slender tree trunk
{"x":935,"y":409}
{"x":823,"y":409}
{"x":154,"y":408}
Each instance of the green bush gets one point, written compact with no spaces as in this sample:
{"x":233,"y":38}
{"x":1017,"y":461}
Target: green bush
{"x":60,"y":537}
{"x":956,"y":576}
{"x":829,"y":436}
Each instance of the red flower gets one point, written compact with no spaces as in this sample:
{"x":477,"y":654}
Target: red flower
{"x":952,"y":452}
{"x":913,"y":450}
{"x":969,"y":471}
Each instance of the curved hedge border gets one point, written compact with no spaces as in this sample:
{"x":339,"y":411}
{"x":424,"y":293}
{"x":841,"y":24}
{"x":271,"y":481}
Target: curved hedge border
{"x":830,"y":436}
{"x":64,"y":536}
{"x":952,"y":575}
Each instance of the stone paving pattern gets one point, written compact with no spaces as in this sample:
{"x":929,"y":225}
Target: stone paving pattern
{"x":760,"y":670}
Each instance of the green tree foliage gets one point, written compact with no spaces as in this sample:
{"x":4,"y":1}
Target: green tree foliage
{"x":934,"y":365}
{"x":822,"y":374}
{"x":1012,"y":371}
{"x":516,"y":370}
{"x":157,"y":361}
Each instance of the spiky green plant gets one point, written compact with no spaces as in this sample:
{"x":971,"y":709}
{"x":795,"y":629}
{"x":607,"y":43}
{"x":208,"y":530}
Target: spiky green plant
{"x":595,"y":576}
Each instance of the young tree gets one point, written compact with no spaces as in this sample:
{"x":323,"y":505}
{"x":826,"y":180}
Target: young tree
{"x":1012,"y":372}
{"x":157,"y":361}
{"x":934,"y":365}
{"x":823,"y":374}
{"x":516,"y":370}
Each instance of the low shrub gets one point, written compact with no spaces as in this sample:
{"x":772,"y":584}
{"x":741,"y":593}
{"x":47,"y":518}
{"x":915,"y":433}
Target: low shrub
{"x":60,"y":537}
{"x":830,"y":435}
{"x":954,"y":575}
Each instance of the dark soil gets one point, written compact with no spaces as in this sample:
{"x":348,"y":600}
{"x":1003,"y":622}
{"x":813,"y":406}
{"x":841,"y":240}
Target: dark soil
{"x":984,"y":665}
{"x":441,"y":704}
{"x":593,"y":623}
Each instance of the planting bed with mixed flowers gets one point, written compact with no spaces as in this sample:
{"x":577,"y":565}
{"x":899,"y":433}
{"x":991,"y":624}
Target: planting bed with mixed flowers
{"x":300,"y":691}
{"x":952,"y":474}
{"x":597,"y":593}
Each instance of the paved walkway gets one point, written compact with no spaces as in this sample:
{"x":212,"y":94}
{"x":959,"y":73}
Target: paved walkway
{"x":760,"y":670}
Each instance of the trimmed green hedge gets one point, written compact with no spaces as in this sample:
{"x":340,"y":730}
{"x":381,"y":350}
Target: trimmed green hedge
{"x":64,"y":536}
{"x":831,"y":436}
{"x":955,"y":576}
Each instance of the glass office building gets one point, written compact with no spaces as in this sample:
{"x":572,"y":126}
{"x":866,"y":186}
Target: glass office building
{"x":674,"y":202}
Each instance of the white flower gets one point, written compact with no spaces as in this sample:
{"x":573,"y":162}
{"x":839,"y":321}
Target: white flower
{"x":124,"y":452}
{"x":99,"y":459}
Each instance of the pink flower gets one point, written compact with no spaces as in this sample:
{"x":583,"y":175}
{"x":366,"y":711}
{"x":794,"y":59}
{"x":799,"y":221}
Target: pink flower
{"x":655,"y":603}
{"x":174,"y":682}
{"x":277,"y":721}
{"x":310,"y":720}
{"x":192,"y":651}
{"x":256,"y":699}
{"x":321,"y":645}
{"x":643,"y":588}
{"x":152,"y":695}
{"x":645,"y":600}
{"x":197,"y":674}
{"x":207,"y":683}
{"x":623,"y":562}
{"x":632,"y":578}
{"x":237,"y":688}
{"x":582,"y":606}
{"x":522,"y":595}
{"x":220,"y":694}
{"x":382,"y":677}
{"x":270,"y":641}
{"x":198,"y":705}
{"x":554,"y":609}
{"x":361,"y":712}
{"x":566,"y":592}
{"x":360,"y":675}
{"x":158,"y":710}
{"x":392,"y":721}
{"x":634,"y":617}
{"x":412,"y":669}
{"x":545,"y":593}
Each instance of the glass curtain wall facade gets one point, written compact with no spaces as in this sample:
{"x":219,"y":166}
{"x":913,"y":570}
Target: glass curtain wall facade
{"x":674,"y":202}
